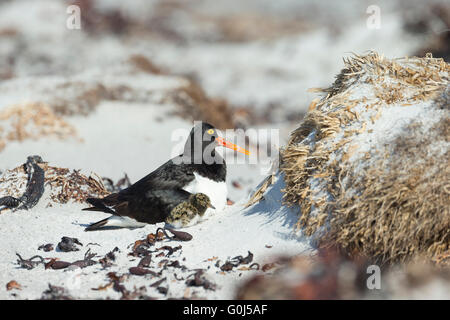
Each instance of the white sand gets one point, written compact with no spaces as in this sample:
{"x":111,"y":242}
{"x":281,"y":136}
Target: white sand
{"x":134,"y":138}
{"x":225,"y":235}
{"x":119,"y":138}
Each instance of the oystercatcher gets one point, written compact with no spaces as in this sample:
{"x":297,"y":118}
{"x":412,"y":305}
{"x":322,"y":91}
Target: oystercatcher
{"x":199,"y":169}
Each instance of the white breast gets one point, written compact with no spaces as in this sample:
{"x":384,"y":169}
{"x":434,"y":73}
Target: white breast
{"x":216,"y":191}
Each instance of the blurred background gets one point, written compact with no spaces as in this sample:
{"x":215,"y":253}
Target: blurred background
{"x":102,"y":85}
{"x":160,"y":64}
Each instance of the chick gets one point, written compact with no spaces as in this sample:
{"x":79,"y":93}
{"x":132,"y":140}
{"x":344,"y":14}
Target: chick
{"x":188,"y":212}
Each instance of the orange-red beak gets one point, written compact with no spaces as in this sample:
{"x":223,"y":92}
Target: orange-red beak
{"x":222,"y":142}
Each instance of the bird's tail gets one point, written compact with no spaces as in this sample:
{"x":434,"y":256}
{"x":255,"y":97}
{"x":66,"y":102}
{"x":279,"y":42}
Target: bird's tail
{"x":98,"y":205}
{"x":97,"y":226}
{"x":115,"y":222}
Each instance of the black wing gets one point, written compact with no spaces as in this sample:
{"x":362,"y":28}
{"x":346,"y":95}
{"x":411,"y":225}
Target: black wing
{"x":170,"y":175}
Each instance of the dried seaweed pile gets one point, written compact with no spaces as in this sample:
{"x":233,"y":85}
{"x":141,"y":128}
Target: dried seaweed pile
{"x":62,"y":184}
{"x":72,"y":185}
{"x":32,"y":121}
{"x":383,"y":192}
{"x":13,"y":182}
{"x":53,"y":98}
{"x":195,"y":104}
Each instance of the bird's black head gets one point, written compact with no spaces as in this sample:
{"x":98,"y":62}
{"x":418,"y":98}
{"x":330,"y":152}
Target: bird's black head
{"x":205,"y":135}
{"x":202,"y":141}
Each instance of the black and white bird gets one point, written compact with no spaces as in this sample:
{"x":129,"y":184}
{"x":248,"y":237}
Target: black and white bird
{"x":199,"y":169}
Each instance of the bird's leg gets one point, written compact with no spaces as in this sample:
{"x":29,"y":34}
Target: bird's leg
{"x":163,"y":230}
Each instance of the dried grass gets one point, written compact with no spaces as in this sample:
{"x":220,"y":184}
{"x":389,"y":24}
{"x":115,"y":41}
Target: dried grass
{"x":32,"y":121}
{"x":195,"y":104}
{"x":76,"y":97}
{"x":141,"y":62}
{"x":259,"y":194}
{"x":403,"y":208}
{"x":394,"y":207}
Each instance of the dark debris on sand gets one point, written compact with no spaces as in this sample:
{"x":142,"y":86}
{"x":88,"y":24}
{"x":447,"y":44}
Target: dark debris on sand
{"x":34,"y":189}
{"x":56,"y":293}
{"x":157,"y":264}
{"x":30,"y":263}
{"x":109,"y":258}
{"x":200,"y":281}
{"x":46,"y":247}
{"x":237,"y":261}
{"x":69,"y":244}
{"x":85,"y":262}
{"x":112,"y":187}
